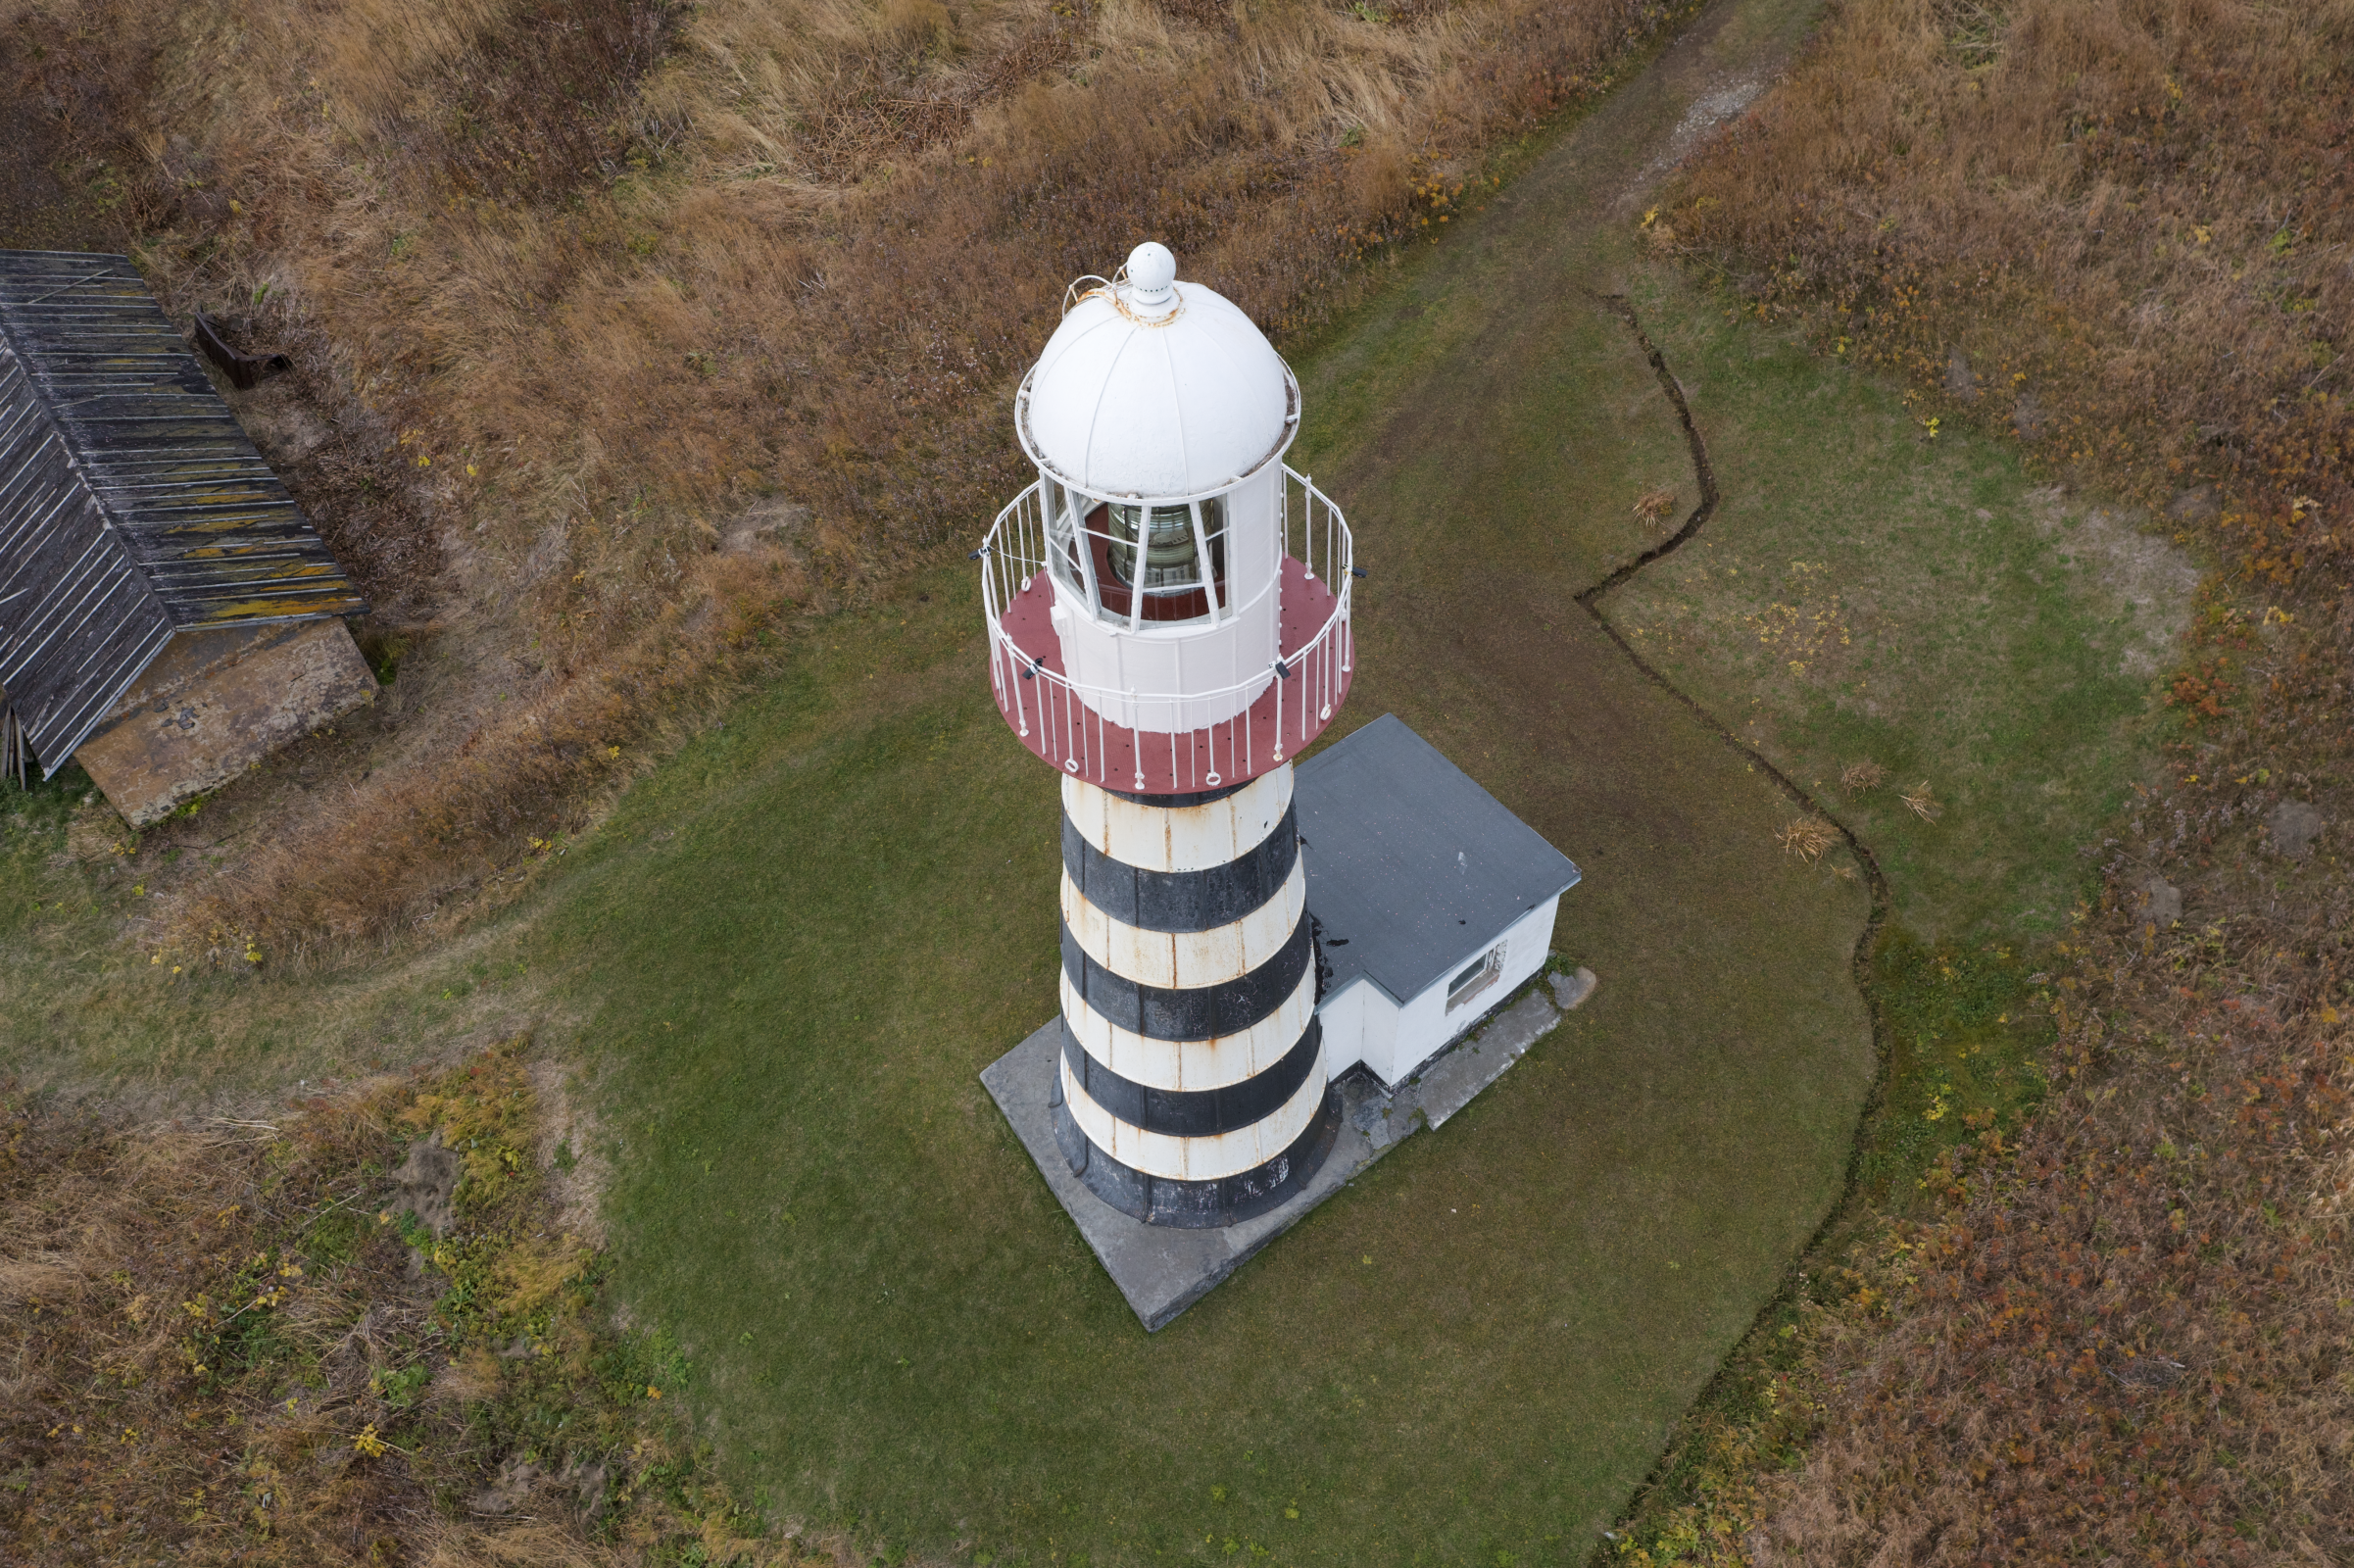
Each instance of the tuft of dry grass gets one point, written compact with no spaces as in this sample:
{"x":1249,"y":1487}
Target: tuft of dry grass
{"x":2152,"y":1274}
{"x":1860,"y":777}
{"x":1656,"y":506}
{"x":578,"y":287}
{"x":1808,"y":837}
{"x":1921,"y":801}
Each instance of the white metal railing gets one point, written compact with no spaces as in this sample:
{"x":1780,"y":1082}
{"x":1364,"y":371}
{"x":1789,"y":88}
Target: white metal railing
{"x":1064,"y":720}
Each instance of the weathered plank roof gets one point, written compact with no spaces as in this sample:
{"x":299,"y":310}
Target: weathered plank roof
{"x":132,"y":505}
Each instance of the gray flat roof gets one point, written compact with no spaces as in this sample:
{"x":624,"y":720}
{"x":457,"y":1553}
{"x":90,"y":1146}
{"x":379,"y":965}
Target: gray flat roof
{"x":1412,"y":868}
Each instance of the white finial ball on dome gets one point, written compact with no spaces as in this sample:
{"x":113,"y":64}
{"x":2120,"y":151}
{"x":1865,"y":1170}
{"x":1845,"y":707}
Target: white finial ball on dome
{"x":1155,"y":389}
{"x":1152,"y":274}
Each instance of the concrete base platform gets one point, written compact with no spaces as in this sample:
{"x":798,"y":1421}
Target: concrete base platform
{"x":1162,"y":1271}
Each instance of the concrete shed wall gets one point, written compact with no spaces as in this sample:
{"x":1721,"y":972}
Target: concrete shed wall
{"x":1360,"y":1025}
{"x":216,"y":702}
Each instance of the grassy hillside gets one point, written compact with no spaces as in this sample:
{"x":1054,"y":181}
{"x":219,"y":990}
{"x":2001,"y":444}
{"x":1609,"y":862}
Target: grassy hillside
{"x":238,"y":1342}
{"x":787,"y":951}
{"x":898,"y":1326}
{"x":1878,"y":608}
{"x":627,"y":332}
{"x":2115,"y":232}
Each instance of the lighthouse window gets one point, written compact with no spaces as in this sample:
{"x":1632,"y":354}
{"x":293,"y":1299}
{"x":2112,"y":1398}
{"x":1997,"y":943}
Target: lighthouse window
{"x":1062,"y":537}
{"x":1168,"y":546}
{"x":1148,"y":559}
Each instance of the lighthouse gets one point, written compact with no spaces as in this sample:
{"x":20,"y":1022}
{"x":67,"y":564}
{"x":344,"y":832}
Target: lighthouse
{"x":1168,"y":626}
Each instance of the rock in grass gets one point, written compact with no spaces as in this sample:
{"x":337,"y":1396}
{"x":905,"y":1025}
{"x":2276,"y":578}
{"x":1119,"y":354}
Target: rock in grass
{"x":1569,"y":990}
{"x":2027,"y":417}
{"x":2195,"y":505}
{"x":2162,"y":902}
{"x":2148,"y":1372}
{"x":1960,"y":380}
{"x":2293,"y":825}
{"x":509,"y":1488}
{"x":428,"y":1182}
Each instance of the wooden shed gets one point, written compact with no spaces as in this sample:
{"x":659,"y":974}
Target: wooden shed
{"x":167,"y":614}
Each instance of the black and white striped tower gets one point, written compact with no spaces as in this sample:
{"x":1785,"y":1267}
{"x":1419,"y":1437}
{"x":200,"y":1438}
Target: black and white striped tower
{"x":1168,"y":611}
{"x":1192,"y":1087}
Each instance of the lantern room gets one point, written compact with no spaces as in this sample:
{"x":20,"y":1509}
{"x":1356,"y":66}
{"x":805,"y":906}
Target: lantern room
{"x":1167,"y":584}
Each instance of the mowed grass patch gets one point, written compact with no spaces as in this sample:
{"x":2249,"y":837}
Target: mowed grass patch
{"x":1869,"y":592}
{"x":1961,"y":663}
{"x":81,"y":1006}
{"x":1497,"y":421}
{"x":91,"y":1005}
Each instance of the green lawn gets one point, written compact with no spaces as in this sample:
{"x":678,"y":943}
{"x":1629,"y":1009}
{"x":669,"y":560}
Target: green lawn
{"x":1868,"y":591}
{"x":813,"y":931}
{"x":88,"y":1007}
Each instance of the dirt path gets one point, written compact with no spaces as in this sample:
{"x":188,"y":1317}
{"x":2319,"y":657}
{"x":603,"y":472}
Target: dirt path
{"x":1709,"y":1098}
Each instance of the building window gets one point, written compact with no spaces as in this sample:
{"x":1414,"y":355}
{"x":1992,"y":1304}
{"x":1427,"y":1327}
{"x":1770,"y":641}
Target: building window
{"x":1137,"y":564}
{"x":1172,"y":548}
{"x":1474,"y":981}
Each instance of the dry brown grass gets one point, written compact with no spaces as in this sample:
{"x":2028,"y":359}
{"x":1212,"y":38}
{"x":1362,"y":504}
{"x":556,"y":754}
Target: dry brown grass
{"x":2128,"y":1333}
{"x":2120,"y":230}
{"x":1860,"y":777}
{"x":1922,"y":802}
{"x":2122,"y":1333}
{"x":580,"y":286}
{"x":1808,"y":837}
{"x":212,"y":1347}
{"x":2123,"y":230}
{"x":1656,"y":506}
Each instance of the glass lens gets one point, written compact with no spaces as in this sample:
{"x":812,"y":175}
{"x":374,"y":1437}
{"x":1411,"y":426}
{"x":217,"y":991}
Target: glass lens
{"x":1172,"y":557}
{"x":1120,"y":524}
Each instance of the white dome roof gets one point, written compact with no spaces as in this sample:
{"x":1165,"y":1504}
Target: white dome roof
{"x":1155,"y":388}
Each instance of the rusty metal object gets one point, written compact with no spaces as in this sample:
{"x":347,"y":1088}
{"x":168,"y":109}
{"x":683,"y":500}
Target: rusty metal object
{"x":244,"y":371}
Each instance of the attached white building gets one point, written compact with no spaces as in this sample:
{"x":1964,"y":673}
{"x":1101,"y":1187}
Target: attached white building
{"x":1432,"y":902}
